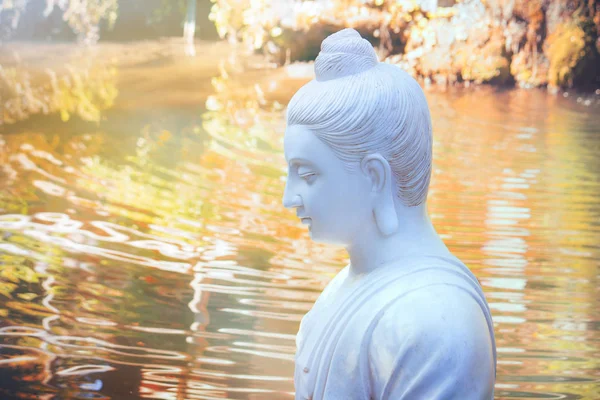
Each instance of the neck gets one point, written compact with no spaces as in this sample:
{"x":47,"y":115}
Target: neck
{"x":415,"y":236}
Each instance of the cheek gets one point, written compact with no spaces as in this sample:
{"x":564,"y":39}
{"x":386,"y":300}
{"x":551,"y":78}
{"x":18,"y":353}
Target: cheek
{"x":339,"y":205}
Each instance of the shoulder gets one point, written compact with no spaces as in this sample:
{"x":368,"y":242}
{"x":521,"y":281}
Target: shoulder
{"x":431,"y":333}
{"x":442,"y":314}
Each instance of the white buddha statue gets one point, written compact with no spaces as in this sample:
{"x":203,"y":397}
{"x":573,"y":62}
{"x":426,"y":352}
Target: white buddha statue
{"x":405,"y":319}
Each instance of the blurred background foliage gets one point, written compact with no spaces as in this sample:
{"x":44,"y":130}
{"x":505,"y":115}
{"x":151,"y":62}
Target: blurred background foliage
{"x":524,"y":43}
{"x":90,"y":21}
{"x":529,"y":43}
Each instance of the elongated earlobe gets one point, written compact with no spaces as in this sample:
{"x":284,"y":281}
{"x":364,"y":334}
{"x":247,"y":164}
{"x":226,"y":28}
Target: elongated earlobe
{"x":385,"y":215}
{"x":384,"y":210}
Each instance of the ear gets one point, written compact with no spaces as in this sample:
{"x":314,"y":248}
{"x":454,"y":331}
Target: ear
{"x":378,"y":171}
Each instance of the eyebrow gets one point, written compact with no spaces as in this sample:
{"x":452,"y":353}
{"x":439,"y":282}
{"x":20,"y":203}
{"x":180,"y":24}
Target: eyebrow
{"x":298,"y":160}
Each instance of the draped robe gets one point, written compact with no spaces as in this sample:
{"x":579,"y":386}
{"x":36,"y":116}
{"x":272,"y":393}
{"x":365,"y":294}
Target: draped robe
{"x":419,"y":328}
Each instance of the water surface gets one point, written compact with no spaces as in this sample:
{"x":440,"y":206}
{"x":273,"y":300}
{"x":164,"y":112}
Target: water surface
{"x":148,"y":255}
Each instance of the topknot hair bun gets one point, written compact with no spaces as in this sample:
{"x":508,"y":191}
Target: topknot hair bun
{"x":344,"y":53}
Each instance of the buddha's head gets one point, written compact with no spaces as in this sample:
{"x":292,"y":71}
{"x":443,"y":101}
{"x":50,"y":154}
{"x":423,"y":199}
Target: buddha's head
{"x":358,"y":143}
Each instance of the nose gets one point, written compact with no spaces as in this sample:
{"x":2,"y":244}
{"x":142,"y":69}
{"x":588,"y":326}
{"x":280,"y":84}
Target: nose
{"x":289,"y":199}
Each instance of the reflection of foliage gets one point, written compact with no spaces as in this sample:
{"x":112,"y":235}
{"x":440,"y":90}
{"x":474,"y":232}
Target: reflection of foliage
{"x":84,"y":17}
{"x":241,"y":116}
{"x":10,"y":200}
{"x":81,"y":92}
{"x":17,"y":278}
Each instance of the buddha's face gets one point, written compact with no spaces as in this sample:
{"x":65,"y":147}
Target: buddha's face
{"x":334,"y":203}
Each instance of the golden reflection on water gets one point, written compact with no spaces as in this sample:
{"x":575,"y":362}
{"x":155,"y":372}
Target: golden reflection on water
{"x":158,"y":262}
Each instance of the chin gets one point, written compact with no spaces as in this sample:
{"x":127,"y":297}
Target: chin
{"x":315,"y":237}
{"x":327,"y":239}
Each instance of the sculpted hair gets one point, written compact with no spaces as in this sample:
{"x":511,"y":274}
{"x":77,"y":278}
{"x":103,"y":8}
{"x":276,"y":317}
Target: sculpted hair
{"x":359,"y":106}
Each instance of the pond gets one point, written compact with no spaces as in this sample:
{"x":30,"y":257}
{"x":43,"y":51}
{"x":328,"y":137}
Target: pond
{"x":148,"y":255}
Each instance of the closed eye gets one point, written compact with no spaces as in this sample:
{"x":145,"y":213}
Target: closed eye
{"x":307,"y":176}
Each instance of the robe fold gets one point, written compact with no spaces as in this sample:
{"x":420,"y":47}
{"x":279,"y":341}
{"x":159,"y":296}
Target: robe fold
{"x":419,"y":328}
